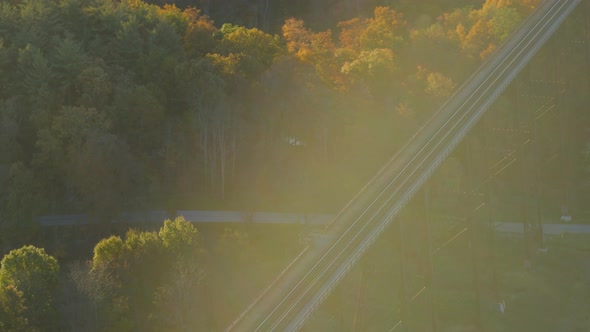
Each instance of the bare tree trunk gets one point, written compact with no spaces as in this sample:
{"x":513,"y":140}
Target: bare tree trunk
{"x":203,"y":138}
{"x":221,"y":148}
{"x":205,"y":6}
{"x":95,"y":307}
{"x":234,"y":149}
{"x":213,"y":168}
{"x":264,"y":14}
{"x":325,"y":134}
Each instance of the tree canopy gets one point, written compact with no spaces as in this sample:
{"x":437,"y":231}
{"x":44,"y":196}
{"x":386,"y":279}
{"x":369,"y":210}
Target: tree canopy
{"x":107,"y":108}
{"x":28,"y":282}
{"x":145,"y":275}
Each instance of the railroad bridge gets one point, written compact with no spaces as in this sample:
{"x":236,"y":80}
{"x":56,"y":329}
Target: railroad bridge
{"x":501,"y":147}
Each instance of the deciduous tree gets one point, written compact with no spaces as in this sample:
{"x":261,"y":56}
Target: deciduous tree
{"x":29,"y":279}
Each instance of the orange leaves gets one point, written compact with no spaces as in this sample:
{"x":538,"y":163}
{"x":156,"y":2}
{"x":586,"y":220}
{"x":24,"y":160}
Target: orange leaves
{"x":364,"y":49}
{"x":371,"y":63}
{"x":317,"y":49}
{"x":435,"y":83}
{"x":439,"y":85}
{"x":225,"y":64}
{"x":350,"y":33}
{"x":523,"y":6}
{"x":376,"y":52}
{"x":253,"y":50}
{"x":198,"y":39}
{"x":497,"y":4}
{"x":303,"y":43}
{"x":177,"y":18}
{"x":296,"y":35}
{"x":382,"y":31}
{"x":479,"y":31}
{"x":494,"y":23}
{"x":477,"y":38}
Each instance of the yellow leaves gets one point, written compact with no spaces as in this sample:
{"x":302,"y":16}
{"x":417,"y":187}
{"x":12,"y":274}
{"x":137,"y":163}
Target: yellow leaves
{"x":247,"y":51}
{"x":254,"y":43}
{"x":479,"y":31}
{"x":523,"y":6}
{"x":296,"y":35}
{"x":405,"y":110}
{"x":138,"y":242}
{"x":436,"y":84}
{"x":460,"y":31}
{"x":249,"y":38}
{"x":174,"y":16}
{"x":179,"y":236}
{"x":314,"y":48}
{"x":504,"y":22}
{"x":322,"y":41}
{"x":169,"y":10}
{"x":192,"y":14}
{"x":371,"y":63}
{"x":304,"y":44}
{"x":485,"y":53}
{"x":477,"y":38}
{"x":225,"y":64}
{"x":382,"y":31}
{"x":304,"y":54}
{"x":198,"y":39}
{"x":108,"y":252}
{"x":496,"y":4}
{"x":32,"y":275}
{"x":364,"y":45}
{"x":350,"y":33}
{"x":494,"y":22}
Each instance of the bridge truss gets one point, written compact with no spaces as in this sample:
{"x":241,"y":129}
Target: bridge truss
{"x":506,"y":147}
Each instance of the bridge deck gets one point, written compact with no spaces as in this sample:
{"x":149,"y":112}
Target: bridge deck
{"x":293,"y":297}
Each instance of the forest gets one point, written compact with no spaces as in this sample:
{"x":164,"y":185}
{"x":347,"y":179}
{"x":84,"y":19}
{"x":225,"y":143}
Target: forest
{"x":109,"y":106}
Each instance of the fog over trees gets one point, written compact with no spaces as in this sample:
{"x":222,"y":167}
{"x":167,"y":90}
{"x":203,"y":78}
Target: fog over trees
{"x":110,"y":106}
